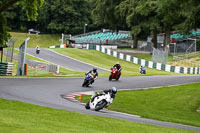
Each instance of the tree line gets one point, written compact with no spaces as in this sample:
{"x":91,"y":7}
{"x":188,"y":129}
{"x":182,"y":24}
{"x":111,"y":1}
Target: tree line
{"x":70,"y":16}
{"x":156,"y":16}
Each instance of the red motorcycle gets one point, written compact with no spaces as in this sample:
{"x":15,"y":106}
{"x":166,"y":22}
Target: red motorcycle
{"x":115,"y":74}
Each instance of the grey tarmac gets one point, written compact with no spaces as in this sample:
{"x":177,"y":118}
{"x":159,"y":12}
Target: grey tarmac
{"x":47,"y":92}
{"x":64,"y":61}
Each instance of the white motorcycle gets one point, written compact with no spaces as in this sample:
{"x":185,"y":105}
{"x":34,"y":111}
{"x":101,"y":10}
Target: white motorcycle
{"x":99,"y":101}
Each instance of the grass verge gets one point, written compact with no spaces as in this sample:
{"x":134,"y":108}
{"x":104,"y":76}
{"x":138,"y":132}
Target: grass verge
{"x":20,"y":117}
{"x":174,"y":104}
{"x":43,"y":40}
{"x":105,"y":61}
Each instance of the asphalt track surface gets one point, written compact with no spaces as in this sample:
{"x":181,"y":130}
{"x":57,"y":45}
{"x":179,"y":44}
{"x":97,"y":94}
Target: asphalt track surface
{"x":47,"y":92}
{"x":64,"y":61}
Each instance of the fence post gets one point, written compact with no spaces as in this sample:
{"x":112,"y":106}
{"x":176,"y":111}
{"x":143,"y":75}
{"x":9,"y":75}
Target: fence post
{"x":26,"y":69}
{"x":58,"y":68}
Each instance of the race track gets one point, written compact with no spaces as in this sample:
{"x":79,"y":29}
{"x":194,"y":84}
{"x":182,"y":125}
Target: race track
{"x":64,"y":61}
{"x":48,"y":91}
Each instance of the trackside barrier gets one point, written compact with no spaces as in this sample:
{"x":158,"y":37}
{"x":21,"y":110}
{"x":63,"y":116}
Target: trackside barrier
{"x":43,"y":66}
{"x":6,"y":69}
{"x":150,"y":64}
{"x":58,"y":46}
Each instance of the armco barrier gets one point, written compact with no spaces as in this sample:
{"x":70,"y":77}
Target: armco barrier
{"x":58,"y":46}
{"x":150,"y":64}
{"x":6,"y":69}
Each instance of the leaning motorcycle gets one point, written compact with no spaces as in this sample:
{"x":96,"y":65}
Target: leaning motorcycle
{"x":99,"y":101}
{"x":88,"y":80}
{"x":115,"y":74}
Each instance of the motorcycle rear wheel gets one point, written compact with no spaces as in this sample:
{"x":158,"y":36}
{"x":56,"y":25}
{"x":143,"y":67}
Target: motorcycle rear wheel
{"x":100,"y":105}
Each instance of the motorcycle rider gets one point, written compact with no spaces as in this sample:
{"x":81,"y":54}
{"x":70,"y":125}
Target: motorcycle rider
{"x":118,"y":66}
{"x":112,"y":92}
{"x":142,"y":70}
{"x":94,"y":73}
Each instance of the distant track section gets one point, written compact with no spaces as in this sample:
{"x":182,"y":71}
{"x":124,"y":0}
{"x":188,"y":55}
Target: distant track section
{"x":62,"y":60}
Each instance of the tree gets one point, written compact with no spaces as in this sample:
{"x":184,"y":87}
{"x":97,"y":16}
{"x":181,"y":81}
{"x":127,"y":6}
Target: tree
{"x":191,"y":12}
{"x":127,"y":10}
{"x":170,"y":14}
{"x":61,"y":16}
{"x":105,"y":14}
{"x":55,"y":16}
{"x":16,"y":18}
{"x":30,"y":6}
{"x":148,"y":10}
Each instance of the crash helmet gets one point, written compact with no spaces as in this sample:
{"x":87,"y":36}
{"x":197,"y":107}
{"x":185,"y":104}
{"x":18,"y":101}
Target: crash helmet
{"x":94,"y":69}
{"x":114,"y":90}
{"x":117,"y":62}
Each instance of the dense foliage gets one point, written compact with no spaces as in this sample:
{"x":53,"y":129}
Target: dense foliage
{"x":154,"y":15}
{"x":70,"y":17}
{"x":55,"y":16}
{"x":29,"y":6}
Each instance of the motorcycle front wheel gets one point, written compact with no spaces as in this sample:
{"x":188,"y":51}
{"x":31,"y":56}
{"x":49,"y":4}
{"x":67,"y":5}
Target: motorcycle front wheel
{"x":87,"y":106}
{"x":84,"y":83}
{"x":118,"y":77}
{"x":110,"y":77}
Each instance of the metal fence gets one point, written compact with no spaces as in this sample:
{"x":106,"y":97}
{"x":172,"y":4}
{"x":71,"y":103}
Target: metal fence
{"x":10,"y":48}
{"x":42,"y":66}
{"x":159,"y":55}
{"x":184,"y":45}
{"x":184,"y":59}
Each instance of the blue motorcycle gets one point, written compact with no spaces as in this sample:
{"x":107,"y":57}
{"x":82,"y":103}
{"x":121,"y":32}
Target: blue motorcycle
{"x":88,"y":80}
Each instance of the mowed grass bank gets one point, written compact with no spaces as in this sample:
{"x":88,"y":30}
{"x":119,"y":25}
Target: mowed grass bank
{"x":105,"y":61}
{"x":43,"y":40}
{"x":20,"y":117}
{"x":174,"y":104}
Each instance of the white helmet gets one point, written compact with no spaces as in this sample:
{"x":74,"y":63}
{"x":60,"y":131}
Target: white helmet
{"x":114,"y":90}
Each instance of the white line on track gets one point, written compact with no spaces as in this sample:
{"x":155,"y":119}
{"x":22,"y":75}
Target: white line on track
{"x":125,"y":114}
{"x":156,"y":87}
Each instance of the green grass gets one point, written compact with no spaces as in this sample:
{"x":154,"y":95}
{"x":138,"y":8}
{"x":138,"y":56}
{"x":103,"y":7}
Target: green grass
{"x":43,"y":40}
{"x":18,"y":117}
{"x":105,"y":61}
{"x":70,"y":73}
{"x":174,"y":104}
